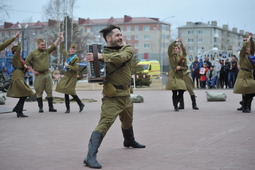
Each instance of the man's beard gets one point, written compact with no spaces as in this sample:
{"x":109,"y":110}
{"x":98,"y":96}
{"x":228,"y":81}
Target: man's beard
{"x":115,"y":43}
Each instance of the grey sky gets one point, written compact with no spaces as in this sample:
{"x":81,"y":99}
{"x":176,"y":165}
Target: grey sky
{"x":235,"y":13}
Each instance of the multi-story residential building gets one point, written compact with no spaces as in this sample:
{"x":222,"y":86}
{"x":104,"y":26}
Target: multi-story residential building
{"x":149,"y":36}
{"x":207,"y":39}
{"x":29,"y":33}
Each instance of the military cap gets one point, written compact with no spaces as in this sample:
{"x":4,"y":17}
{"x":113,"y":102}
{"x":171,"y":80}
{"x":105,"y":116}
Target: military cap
{"x":73,"y":46}
{"x":14,"y":48}
{"x":39,"y":40}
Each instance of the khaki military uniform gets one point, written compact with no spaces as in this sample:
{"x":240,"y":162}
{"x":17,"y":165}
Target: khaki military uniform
{"x":67,"y":83}
{"x":18,"y":88}
{"x":245,"y":83}
{"x":189,"y":83}
{"x":39,"y":60}
{"x":119,"y":103}
{"x":175,"y":77}
{"x":6,"y":43}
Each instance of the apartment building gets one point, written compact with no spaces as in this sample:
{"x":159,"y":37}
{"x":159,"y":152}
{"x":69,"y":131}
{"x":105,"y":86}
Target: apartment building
{"x":149,"y":36}
{"x":208,"y":39}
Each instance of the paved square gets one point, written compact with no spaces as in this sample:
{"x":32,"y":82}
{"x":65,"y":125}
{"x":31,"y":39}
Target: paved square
{"x":216,"y":137}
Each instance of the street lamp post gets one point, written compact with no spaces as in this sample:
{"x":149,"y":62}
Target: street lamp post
{"x":163,"y":50}
{"x":23,"y":38}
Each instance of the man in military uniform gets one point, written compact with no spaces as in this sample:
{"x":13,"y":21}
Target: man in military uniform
{"x":8,"y":42}
{"x":38,"y":62}
{"x":116,"y":101}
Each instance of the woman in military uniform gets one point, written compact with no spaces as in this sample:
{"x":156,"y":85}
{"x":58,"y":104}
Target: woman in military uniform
{"x":175,"y":76}
{"x":18,"y":88}
{"x":245,"y":82}
{"x":189,"y":84}
{"x":68,"y":83}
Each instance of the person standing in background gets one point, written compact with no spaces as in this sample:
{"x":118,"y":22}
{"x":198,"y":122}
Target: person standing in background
{"x":195,"y":66}
{"x":38,"y":63}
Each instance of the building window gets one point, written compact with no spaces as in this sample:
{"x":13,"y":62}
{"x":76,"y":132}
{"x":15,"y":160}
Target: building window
{"x":6,"y":34}
{"x":146,"y":28}
{"x":190,"y":40}
{"x":190,"y":48}
{"x":1,"y":34}
{"x":146,"y":46}
{"x":136,"y":46}
{"x":128,"y":28}
{"x":128,"y":37}
{"x":89,"y":30}
{"x":190,"y":32}
{"x":136,"y":28}
{"x":136,"y":37}
{"x":215,"y":39}
{"x":200,"y":32}
{"x":146,"y":37}
{"x":200,"y":40}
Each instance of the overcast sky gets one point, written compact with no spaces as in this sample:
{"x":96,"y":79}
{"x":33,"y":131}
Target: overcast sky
{"x":235,"y":13}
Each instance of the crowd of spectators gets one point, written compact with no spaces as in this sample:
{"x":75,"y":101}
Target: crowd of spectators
{"x":214,"y":73}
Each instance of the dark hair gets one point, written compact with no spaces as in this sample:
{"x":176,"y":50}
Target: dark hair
{"x":108,"y":30}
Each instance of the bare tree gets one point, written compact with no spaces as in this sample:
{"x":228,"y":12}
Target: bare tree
{"x":59,"y":10}
{"x":4,"y":10}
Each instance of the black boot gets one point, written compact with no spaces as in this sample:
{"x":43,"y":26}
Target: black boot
{"x":240,"y":108}
{"x":20,"y":107}
{"x":245,"y":104}
{"x":194,"y":104}
{"x":77,"y":99}
{"x":15,"y":108}
{"x":67,"y":102}
{"x":249,"y":101}
{"x":40,"y":104}
{"x":175,"y":103}
{"x":181,"y":106}
{"x":94,"y":143}
{"x":129,"y":139}
{"x":50,"y":103}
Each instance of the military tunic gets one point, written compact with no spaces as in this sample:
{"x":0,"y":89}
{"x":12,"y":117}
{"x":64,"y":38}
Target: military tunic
{"x":175,"y":77}
{"x":18,"y":88}
{"x":6,"y":43}
{"x":120,"y":104}
{"x":39,"y":60}
{"x":245,"y":83}
{"x":189,"y":83}
{"x":67,"y":83}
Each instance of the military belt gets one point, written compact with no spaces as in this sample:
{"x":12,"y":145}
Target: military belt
{"x":121,"y":87}
{"x":245,"y":69}
{"x":43,"y":72}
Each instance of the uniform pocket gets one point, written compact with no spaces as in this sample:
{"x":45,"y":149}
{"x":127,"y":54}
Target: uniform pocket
{"x":109,"y":90}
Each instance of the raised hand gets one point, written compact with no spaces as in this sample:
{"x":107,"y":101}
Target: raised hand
{"x":17,"y":35}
